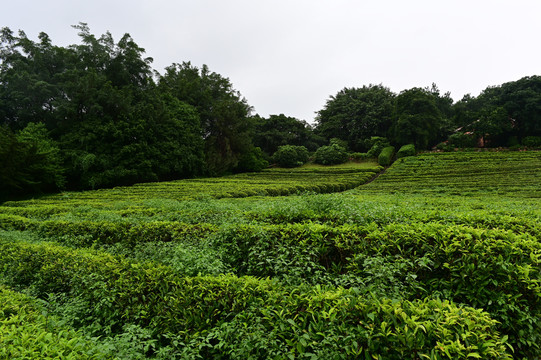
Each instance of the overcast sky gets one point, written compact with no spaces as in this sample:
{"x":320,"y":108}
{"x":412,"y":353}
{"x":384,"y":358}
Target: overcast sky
{"x":290,"y":56}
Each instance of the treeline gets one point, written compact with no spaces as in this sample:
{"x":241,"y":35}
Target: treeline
{"x":96,"y":114}
{"x":108,"y":119}
{"x":506,"y":115}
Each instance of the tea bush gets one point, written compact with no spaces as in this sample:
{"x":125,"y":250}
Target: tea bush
{"x":26,"y":333}
{"x":406,"y":150}
{"x":438,"y":257}
{"x":386,"y":156}
{"x":206,"y":315}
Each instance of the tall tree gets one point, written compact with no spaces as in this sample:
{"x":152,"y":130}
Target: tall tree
{"x":30,"y":162}
{"x":102,"y":105}
{"x":224,"y":113}
{"x":501,"y":113}
{"x":356,"y":114}
{"x":418,"y":118}
{"x":522,"y":101}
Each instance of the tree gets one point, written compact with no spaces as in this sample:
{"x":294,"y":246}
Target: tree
{"x":223,"y":112}
{"x":418,"y":118}
{"x":521,"y":100}
{"x":356,"y":114}
{"x":501,"y":113}
{"x":278,"y":130}
{"x":100,"y":102}
{"x":290,"y":156}
{"x":30,"y":162}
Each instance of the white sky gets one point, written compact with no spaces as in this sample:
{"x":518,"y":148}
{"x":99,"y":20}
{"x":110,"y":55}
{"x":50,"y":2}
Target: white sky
{"x":290,"y":56}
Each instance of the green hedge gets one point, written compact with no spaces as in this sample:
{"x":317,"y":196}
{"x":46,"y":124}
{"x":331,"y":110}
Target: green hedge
{"x":107,"y":232}
{"x":385,"y":156}
{"x":406,"y":150}
{"x":495,"y":270}
{"x":209,"y":315}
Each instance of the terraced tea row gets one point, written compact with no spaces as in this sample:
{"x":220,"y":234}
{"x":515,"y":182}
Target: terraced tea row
{"x":201,"y":317}
{"x":271,"y":182}
{"x":345,"y":275}
{"x":506,"y":173}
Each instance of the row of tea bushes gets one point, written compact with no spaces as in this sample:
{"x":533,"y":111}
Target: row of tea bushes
{"x":517,"y":215}
{"x":239,"y":318}
{"x":105,"y":232}
{"x":273,"y":182}
{"x":501,"y":173}
{"x":495,"y":270}
{"x":26,"y":333}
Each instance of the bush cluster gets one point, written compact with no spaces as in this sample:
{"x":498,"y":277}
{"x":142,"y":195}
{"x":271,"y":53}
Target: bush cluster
{"x":210,"y":317}
{"x":375,"y":145}
{"x":532,"y":141}
{"x":26,"y":333}
{"x":495,"y":270}
{"x":290,"y":156}
{"x":406,"y":150}
{"x":331,"y":155}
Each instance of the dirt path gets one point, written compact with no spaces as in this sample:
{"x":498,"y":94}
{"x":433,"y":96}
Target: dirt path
{"x":376,"y":176}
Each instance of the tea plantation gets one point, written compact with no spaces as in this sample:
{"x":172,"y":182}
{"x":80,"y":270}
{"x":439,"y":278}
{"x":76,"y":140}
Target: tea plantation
{"x":439,"y":257}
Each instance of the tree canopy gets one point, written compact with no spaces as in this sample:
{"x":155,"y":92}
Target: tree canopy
{"x":95,"y":114}
{"x":356,"y":114}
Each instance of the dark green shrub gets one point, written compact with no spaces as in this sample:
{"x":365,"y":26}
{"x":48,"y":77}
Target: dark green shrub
{"x":253,"y":160}
{"x":512,"y":142}
{"x":290,"y":156}
{"x":532,"y":141}
{"x":376,"y":144}
{"x":331,"y":155}
{"x":461,"y":140}
{"x":357,"y":156}
{"x":445,"y":146}
{"x":406,"y":150}
{"x":386,"y":156}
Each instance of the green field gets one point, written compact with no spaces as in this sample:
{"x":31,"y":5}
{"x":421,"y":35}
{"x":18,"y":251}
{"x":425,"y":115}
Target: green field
{"x":438,"y":258}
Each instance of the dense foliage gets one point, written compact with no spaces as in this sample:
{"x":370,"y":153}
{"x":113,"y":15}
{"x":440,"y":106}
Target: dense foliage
{"x":95,"y":114}
{"x":503,"y":115}
{"x":385,"y":157}
{"x":428,"y":259}
{"x":112,"y":122}
{"x":30,"y":162}
{"x":332,"y":154}
{"x":280,"y":130}
{"x":356,"y":114}
{"x":289,"y":156}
